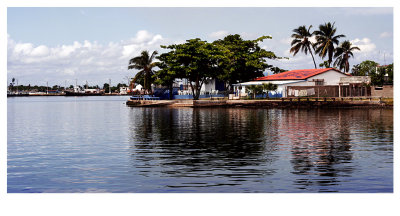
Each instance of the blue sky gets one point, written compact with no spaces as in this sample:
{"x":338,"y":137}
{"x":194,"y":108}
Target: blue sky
{"x":95,"y":44}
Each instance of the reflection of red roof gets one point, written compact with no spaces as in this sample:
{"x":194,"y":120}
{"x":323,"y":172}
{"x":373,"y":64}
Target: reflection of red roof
{"x":297,"y":74}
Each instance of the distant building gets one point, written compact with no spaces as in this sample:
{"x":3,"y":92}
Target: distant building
{"x":210,"y":86}
{"x":123,"y":90}
{"x":304,"y":77}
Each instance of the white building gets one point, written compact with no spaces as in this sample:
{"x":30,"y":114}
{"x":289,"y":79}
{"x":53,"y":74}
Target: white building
{"x":210,"y":86}
{"x":305,"y":77}
{"x":123,"y":90}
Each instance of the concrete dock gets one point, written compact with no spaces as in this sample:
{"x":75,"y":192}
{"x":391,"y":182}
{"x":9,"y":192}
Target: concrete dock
{"x":278,"y":103}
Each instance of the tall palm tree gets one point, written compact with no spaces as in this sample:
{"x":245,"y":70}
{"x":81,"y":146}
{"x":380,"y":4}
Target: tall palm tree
{"x":301,"y":41}
{"x":326,"y":40}
{"x":342,"y":55}
{"x":144,"y":63}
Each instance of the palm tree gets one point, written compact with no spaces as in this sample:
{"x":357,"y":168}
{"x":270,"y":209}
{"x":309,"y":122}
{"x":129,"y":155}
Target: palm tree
{"x":326,"y":40}
{"x":254,"y":89}
{"x":269,"y":87}
{"x":342,"y":55}
{"x":301,"y":41}
{"x":144,"y":63}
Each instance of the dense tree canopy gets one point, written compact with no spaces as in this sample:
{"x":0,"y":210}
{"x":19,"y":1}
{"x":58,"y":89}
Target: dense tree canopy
{"x":231,"y":60}
{"x":243,"y":60}
{"x":167,"y":73}
{"x":376,"y":72}
{"x":365,"y":68}
{"x":194,"y":60}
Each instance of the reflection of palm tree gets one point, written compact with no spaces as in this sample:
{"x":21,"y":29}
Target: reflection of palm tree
{"x":326,"y":40}
{"x":144,"y":63}
{"x":343,"y":52}
{"x":301,"y":41}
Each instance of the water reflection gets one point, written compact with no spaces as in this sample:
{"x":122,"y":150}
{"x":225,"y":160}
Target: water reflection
{"x":227,"y":147}
{"x":320,"y":149}
{"x":80,"y":146}
{"x":204,"y":143}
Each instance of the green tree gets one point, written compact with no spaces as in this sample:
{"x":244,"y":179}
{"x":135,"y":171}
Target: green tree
{"x":11,"y":86}
{"x":373,"y":70}
{"x":242,"y":60}
{"x":254,"y":90}
{"x":144,"y":63}
{"x":324,"y":64}
{"x":343,"y":53}
{"x":365,"y":68}
{"x":301,"y":42}
{"x":166,"y":75}
{"x":106,"y":87}
{"x":276,"y":70}
{"x":326,"y":41}
{"x":267,"y":87}
{"x":389,"y":71}
{"x":194,"y":60}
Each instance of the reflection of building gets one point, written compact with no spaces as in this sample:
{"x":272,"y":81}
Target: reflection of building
{"x":294,"y":78}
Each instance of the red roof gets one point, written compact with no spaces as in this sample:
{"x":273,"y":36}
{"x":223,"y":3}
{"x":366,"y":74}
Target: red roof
{"x":297,"y":74}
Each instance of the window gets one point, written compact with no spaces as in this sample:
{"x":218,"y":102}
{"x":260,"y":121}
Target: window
{"x":318,"y":82}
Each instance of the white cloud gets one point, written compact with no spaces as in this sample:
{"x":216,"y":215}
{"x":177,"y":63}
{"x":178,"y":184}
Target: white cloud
{"x":87,"y":60}
{"x":364,"y":44}
{"x":286,"y":40}
{"x":386,"y":35}
{"x":23,"y":48}
{"x":218,"y":34}
{"x":40,"y":51}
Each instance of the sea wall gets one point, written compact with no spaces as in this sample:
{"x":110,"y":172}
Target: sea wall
{"x":262,"y":103}
{"x":386,"y":91}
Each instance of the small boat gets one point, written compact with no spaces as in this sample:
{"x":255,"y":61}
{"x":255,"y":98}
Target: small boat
{"x":86,"y":92}
{"x":70,"y":93}
{"x":144,"y":97}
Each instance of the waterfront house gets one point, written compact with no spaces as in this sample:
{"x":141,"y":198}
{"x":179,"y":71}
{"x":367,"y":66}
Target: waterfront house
{"x":296,"y":78}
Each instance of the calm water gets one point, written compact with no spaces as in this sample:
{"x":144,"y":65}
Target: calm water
{"x":98,"y":144}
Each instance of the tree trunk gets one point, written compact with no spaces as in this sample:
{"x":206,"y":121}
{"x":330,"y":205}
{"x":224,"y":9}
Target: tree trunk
{"x":191,"y":87}
{"x":171,"y":95}
{"x":315,"y":65}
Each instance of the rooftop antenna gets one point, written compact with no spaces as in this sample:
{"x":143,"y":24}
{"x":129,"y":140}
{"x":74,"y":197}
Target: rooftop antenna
{"x":384,"y":58}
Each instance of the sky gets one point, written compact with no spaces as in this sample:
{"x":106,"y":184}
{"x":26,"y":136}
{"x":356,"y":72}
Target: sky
{"x":64,"y":45}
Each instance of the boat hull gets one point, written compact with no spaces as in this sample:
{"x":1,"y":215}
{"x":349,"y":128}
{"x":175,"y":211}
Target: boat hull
{"x":82,"y":94}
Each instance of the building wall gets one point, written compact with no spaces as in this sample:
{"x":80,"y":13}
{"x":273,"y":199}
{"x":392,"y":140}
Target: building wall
{"x":331,"y":77}
{"x":208,"y":85}
{"x":386,"y":92}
